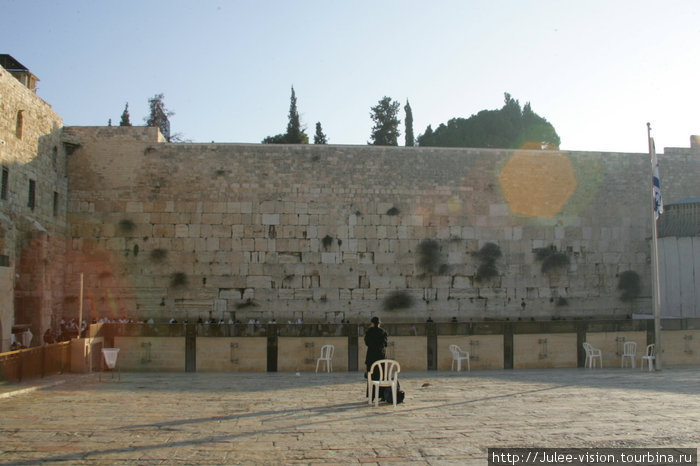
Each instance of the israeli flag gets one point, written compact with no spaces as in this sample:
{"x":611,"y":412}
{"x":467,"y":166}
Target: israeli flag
{"x":656,"y":184}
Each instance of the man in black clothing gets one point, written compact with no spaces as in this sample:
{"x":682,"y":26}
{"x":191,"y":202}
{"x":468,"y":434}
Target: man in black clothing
{"x":376,"y":341}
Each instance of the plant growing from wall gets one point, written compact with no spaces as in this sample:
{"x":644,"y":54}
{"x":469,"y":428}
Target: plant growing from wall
{"x":487,"y":256}
{"x":158,"y":255}
{"x":397,"y":300}
{"x":429,"y":256}
{"x":126,"y":226}
{"x":551,"y":259}
{"x":630,"y":285}
{"x":178,"y":280}
{"x":327,"y":241}
{"x":247,"y":303}
{"x":393,"y":211}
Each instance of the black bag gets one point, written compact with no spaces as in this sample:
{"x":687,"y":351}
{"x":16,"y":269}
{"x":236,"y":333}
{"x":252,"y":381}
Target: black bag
{"x":388,"y":397}
{"x":400,"y":395}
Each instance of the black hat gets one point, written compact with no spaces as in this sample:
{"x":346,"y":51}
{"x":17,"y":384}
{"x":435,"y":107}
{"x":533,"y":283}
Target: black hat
{"x":375,"y":320}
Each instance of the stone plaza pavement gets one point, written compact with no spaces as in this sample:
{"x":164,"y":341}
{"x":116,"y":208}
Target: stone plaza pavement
{"x":279,"y":418}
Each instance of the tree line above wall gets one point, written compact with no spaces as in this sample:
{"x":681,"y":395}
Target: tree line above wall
{"x":510,"y":127}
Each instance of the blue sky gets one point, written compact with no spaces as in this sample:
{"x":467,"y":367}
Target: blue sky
{"x":597,"y":70}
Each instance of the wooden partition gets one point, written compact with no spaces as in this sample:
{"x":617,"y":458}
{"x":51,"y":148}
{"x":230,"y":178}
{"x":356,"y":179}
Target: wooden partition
{"x":417,"y":347}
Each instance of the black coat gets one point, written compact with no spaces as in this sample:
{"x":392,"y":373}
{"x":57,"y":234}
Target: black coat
{"x":376,"y":341}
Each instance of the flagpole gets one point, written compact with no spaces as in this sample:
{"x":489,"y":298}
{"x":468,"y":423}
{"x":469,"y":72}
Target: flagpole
{"x":656,"y":284}
{"x":80,"y":306}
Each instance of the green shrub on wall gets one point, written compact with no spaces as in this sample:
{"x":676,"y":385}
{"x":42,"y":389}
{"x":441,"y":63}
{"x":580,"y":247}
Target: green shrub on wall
{"x":487,"y":257}
{"x":552,"y":259}
{"x":327,"y":241}
{"x":178,"y":280}
{"x":429,"y":256}
{"x":158,"y":255}
{"x":630,"y":285}
{"x":397,"y":300}
{"x":126,"y":226}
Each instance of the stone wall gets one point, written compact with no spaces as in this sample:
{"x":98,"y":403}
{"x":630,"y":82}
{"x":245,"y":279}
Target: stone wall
{"x":32,"y":238}
{"x":325,"y":233}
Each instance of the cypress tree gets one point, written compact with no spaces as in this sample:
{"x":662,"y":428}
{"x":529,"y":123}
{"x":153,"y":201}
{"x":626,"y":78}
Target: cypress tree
{"x":294,"y":125}
{"x":410,"y":142}
{"x":125,"y":116}
{"x":319,"y":137}
{"x":295,"y":134}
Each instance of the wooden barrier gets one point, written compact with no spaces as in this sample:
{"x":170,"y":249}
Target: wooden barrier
{"x":38,"y":361}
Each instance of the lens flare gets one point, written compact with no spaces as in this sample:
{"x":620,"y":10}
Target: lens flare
{"x":537,"y":184}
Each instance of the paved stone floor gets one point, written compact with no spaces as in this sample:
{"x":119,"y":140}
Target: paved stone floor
{"x":279,"y":418}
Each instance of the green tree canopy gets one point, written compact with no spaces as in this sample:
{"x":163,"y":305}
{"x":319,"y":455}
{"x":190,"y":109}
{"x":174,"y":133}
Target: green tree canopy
{"x":276,"y":139}
{"x":409,"y":125}
{"x":510,"y":127}
{"x":385,"y":131}
{"x":125,"y":116}
{"x":319,"y":137}
{"x":295,"y":133}
{"x":159,"y":116}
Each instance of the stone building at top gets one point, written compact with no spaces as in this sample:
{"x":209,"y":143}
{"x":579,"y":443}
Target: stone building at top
{"x":321,"y":233}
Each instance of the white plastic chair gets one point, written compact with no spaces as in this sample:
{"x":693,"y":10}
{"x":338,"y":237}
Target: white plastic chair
{"x":650,"y":357}
{"x":327,"y":356}
{"x":591,"y":355}
{"x":109,"y":359}
{"x":388,"y":377}
{"x":458,"y":356}
{"x":629,"y":351}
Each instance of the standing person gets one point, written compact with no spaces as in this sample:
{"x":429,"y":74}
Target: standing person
{"x":376,"y":341}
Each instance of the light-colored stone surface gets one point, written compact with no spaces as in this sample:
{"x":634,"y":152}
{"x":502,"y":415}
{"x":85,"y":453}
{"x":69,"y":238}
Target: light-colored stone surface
{"x":485,"y":351}
{"x":151,"y":354}
{"x":277,"y":418}
{"x":544,"y":350}
{"x":302,"y":353}
{"x":680,"y":347}
{"x":231,"y":354}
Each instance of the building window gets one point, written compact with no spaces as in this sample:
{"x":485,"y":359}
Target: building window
{"x":5,"y":183}
{"x":32,"y":194}
{"x":55,"y":203}
{"x":54,"y":156}
{"x":20,"y":124}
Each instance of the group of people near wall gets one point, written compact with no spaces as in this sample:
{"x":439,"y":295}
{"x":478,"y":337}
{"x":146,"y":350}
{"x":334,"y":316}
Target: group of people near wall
{"x":65,"y":331}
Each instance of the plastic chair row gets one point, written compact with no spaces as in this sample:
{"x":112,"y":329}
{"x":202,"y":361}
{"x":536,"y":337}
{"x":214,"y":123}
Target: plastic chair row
{"x":629,"y":353}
